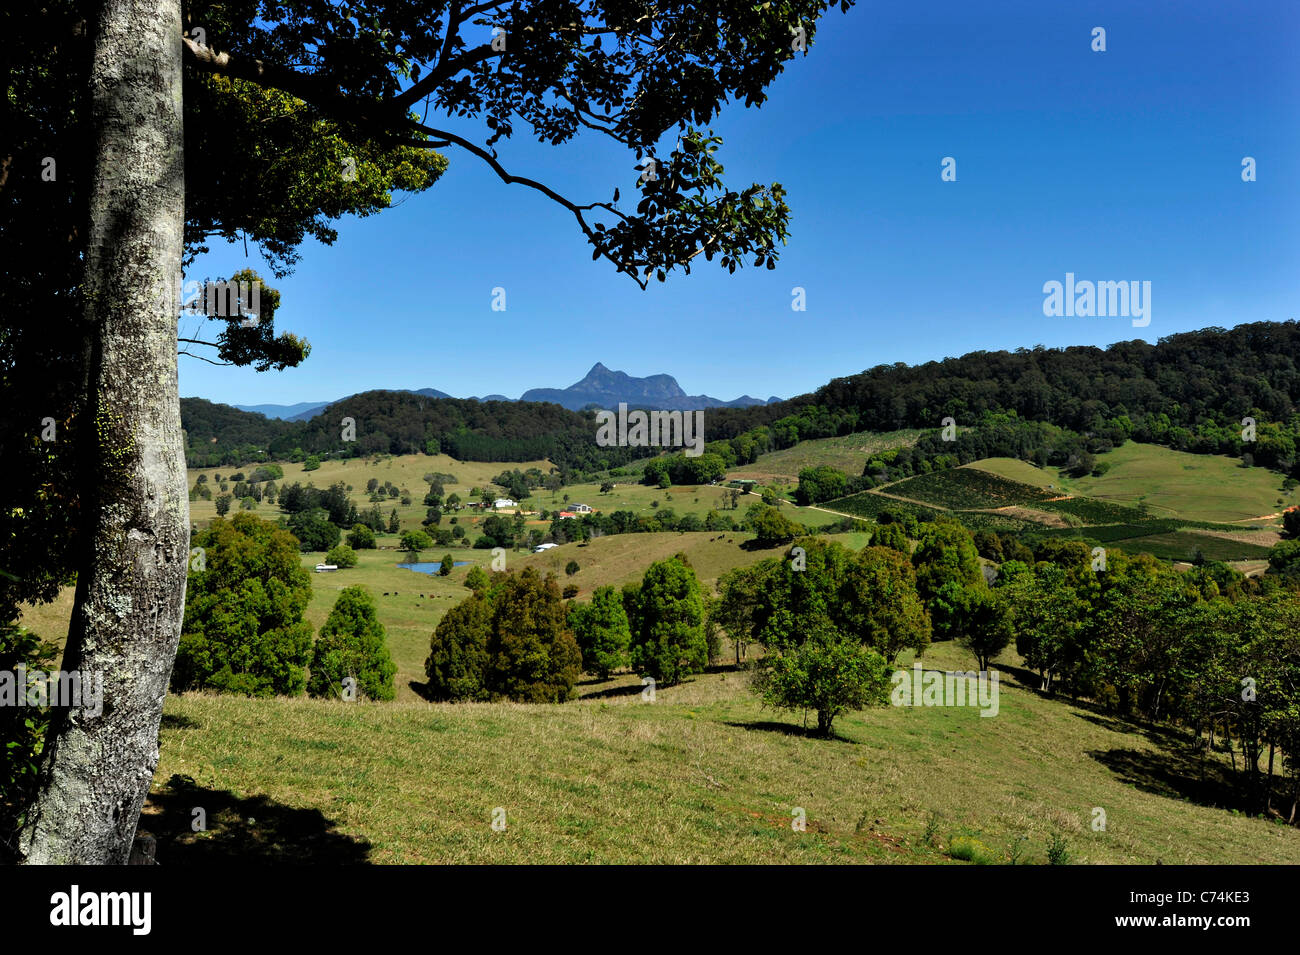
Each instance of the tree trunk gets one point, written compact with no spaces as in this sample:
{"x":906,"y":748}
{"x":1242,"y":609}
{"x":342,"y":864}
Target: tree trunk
{"x":1268,"y":785}
{"x":131,"y":573}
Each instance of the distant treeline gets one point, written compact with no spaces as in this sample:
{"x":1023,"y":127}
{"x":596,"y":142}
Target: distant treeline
{"x":389,"y":422}
{"x":1190,"y":391}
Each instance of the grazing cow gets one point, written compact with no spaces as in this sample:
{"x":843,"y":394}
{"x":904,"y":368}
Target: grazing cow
{"x":385,"y":593}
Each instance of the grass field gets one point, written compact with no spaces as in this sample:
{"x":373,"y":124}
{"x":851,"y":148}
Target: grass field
{"x":703,"y":774}
{"x":1200,"y":487}
{"x":683,"y":499}
{"x":405,"y":471}
{"x":848,"y":453}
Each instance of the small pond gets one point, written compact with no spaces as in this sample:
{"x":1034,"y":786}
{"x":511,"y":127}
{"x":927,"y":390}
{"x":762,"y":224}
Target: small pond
{"x":430,"y":566}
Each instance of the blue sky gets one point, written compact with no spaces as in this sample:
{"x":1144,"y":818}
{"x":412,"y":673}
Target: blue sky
{"x":1122,"y":165}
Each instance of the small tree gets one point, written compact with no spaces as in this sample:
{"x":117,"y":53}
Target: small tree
{"x":351,"y":644}
{"x":342,"y":556}
{"x":602,"y":631}
{"x":571,"y":568}
{"x":413,"y":542}
{"x":477,"y":579}
{"x":975,"y":616}
{"x":818,"y":667}
{"x":394,"y":525}
{"x":458,"y":661}
{"x":223,"y":504}
{"x":771,"y":527}
{"x":669,"y":643}
{"x":314,"y":530}
{"x":361,"y":537}
{"x":444,"y":567}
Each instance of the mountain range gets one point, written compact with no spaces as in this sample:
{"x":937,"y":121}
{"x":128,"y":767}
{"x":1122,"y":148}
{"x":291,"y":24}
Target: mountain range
{"x":600,"y":387}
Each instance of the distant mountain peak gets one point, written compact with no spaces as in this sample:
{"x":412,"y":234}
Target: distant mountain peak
{"x":607,"y":388}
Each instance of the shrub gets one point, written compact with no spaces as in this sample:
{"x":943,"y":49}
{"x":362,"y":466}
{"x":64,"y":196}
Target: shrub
{"x":571,"y":568}
{"x":22,"y":729}
{"x":1058,"y":850}
{"x":459,"y":661}
{"x":445,"y":566}
{"x":351,"y":644}
{"x":970,"y":849}
{"x":342,"y":555}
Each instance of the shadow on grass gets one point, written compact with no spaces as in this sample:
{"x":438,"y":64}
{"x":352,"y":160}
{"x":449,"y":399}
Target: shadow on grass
{"x":1175,"y":775}
{"x":1158,"y":735}
{"x":255,"y":829}
{"x":789,"y":729}
{"x":627,"y":689}
{"x":172,"y":721}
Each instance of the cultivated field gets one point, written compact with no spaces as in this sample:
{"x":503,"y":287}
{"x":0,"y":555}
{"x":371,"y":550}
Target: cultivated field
{"x":848,"y":453}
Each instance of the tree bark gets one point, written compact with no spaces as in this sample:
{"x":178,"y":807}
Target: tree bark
{"x":131,"y":574}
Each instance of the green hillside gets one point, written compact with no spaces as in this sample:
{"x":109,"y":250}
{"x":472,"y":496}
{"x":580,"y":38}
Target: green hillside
{"x":703,"y":774}
{"x":1200,"y":487}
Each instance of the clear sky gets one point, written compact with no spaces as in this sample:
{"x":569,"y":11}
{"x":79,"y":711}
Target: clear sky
{"x":1122,"y":165}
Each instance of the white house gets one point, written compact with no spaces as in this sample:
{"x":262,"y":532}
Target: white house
{"x":322,"y":568}
{"x":579,"y":508}
{"x":543,"y":547}
{"x":503,"y":502}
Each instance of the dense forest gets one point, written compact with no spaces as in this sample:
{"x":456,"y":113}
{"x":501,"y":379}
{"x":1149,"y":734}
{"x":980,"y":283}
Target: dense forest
{"x":391,"y":422}
{"x":1191,"y":391}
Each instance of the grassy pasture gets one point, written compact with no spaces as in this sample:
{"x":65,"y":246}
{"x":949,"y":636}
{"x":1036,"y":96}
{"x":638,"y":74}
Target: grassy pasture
{"x":1200,"y":487}
{"x":703,"y":774}
{"x":405,"y":471}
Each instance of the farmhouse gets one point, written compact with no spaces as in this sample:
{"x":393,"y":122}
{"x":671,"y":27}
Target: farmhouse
{"x":541,"y":548}
{"x":323,"y":568}
{"x":503,"y":502}
{"x":580,"y":508}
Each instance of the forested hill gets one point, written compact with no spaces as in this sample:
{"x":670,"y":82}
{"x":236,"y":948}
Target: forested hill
{"x":1189,"y":391}
{"x":401,"y":423}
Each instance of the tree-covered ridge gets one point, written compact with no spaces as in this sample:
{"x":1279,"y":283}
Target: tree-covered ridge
{"x":402,"y":423}
{"x":1190,"y":391}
